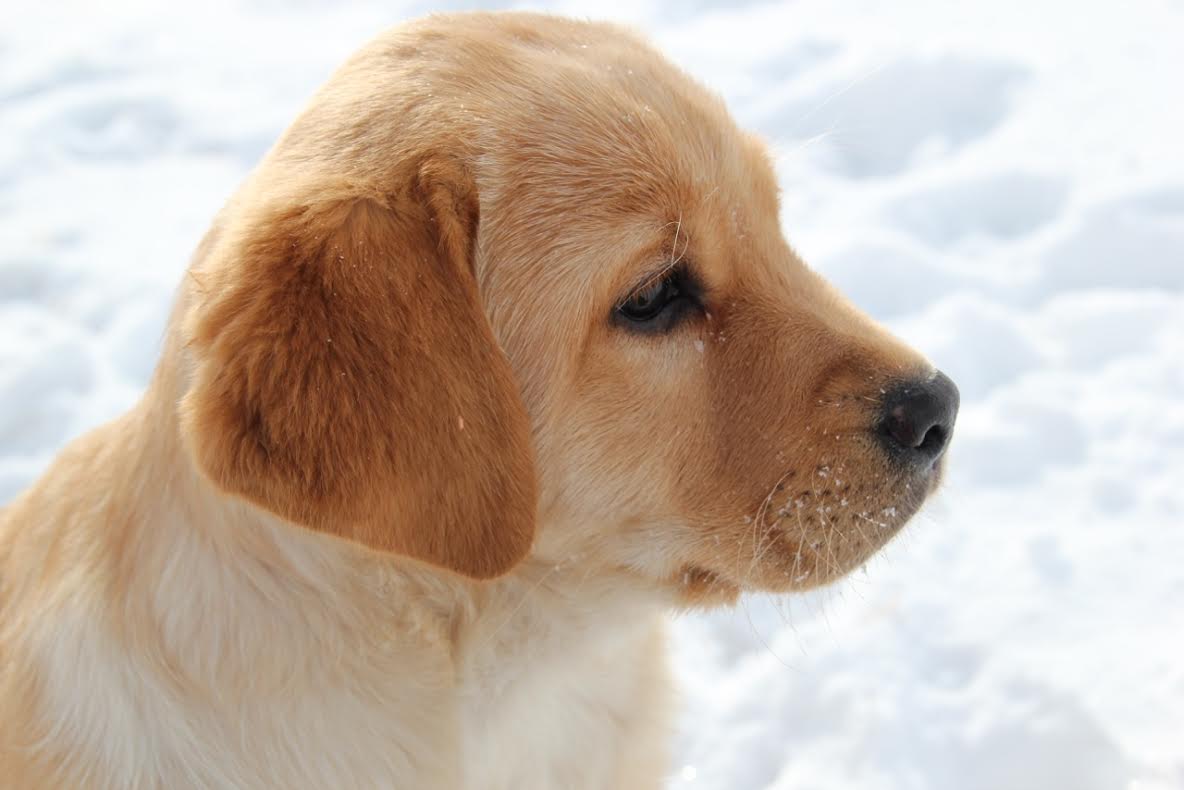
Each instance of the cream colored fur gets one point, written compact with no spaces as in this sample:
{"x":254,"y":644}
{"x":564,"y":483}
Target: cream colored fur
{"x":175,"y":612}
{"x":201,"y":643}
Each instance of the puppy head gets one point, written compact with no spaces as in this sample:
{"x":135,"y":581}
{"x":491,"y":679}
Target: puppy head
{"x":509,"y":265}
{"x":709,"y":414}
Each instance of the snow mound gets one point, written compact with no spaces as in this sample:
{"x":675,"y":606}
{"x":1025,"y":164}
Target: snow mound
{"x":999,"y":182}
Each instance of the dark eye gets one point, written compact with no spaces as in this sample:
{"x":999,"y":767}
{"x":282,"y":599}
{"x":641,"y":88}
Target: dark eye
{"x":648,"y":302}
{"x":660,"y":304}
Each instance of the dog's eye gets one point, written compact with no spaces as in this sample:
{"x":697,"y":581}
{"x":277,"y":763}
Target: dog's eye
{"x":660,"y":304}
{"x":647,"y":302}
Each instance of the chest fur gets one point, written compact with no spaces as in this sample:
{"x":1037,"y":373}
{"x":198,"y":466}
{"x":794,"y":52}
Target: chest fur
{"x":564,"y":712}
{"x":544,"y":698}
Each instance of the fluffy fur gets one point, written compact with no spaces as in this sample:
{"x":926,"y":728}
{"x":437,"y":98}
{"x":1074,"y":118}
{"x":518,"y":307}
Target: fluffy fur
{"x":404,"y":503}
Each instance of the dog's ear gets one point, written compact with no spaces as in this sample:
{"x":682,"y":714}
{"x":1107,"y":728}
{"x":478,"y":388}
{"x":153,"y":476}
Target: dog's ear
{"x":346,"y":378}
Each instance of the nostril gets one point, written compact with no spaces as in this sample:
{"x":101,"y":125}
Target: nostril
{"x":901,"y":427}
{"x":918,"y":419}
{"x":934,"y":440}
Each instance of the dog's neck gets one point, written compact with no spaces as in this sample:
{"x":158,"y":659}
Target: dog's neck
{"x":212,"y":569}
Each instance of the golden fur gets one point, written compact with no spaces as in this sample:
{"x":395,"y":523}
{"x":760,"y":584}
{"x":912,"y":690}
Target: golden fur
{"x":403,"y":505}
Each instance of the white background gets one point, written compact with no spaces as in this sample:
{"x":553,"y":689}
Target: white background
{"x":1001,"y":182}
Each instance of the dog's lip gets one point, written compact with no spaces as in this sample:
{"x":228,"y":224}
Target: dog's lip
{"x":912,"y":494}
{"x":915,"y":492}
{"x":705,"y":584}
{"x":937,"y":474}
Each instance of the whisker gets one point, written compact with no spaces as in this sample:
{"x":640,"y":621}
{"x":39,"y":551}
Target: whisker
{"x":764,"y":643}
{"x":518,"y":607}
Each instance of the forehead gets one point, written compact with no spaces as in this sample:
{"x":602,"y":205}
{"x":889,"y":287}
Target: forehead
{"x":606,"y":135}
{"x":617,"y":126}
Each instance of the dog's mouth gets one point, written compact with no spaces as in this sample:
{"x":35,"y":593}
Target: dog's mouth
{"x":824,"y":518}
{"x":700,"y":587}
{"x":809,"y":535}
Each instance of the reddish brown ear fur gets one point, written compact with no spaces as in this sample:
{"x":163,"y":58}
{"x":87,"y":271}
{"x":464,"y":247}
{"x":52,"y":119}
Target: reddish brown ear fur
{"x":347,"y":379}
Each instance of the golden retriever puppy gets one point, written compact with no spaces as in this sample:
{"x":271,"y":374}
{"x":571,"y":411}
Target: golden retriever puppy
{"x":498,"y":355}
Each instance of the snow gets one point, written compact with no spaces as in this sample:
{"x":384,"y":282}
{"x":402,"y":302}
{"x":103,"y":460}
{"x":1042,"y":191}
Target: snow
{"x":1000,"y":182}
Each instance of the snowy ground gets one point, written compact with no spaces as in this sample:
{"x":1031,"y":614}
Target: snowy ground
{"x":1002,"y":182}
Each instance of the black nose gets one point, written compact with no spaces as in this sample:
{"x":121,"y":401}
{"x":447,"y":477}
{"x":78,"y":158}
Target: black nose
{"x":918,"y":419}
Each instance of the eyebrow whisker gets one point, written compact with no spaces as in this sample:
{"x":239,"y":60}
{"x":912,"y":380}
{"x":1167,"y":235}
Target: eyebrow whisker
{"x":676,"y":256}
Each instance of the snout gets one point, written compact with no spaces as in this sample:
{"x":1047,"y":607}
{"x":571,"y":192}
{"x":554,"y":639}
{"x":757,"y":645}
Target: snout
{"x":918,"y":420}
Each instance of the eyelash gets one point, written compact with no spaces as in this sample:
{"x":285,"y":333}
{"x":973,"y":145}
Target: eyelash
{"x":661,"y":304}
